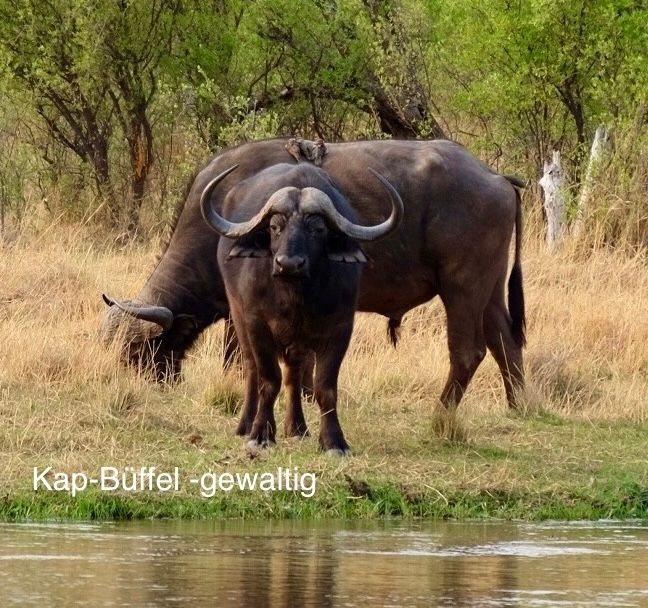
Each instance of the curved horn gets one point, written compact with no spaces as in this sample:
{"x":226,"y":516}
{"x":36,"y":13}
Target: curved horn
{"x":234,"y":230}
{"x":155,"y":314}
{"x":316,"y":201}
{"x":215,"y":221}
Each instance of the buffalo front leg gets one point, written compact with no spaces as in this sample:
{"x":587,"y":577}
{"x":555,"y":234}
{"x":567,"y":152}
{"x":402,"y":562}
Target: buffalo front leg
{"x":328,"y":362}
{"x":250,"y":401}
{"x":261,"y":340}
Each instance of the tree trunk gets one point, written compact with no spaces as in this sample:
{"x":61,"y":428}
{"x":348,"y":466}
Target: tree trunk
{"x":552,"y":183}
{"x":141,"y":153}
{"x":598,"y":156}
{"x":98,"y":157}
{"x":402,"y":122}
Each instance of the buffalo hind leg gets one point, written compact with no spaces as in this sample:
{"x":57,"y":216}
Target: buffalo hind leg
{"x":331,"y":438}
{"x":250,"y":400}
{"x":231,"y":351}
{"x":294,"y":424}
{"x":467,"y":347}
{"x":307,"y":381}
{"x":503,"y":346}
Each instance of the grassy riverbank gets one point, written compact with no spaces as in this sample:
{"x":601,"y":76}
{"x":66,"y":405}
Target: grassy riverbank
{"x":562,"y":470}
{"x":576,"y":450}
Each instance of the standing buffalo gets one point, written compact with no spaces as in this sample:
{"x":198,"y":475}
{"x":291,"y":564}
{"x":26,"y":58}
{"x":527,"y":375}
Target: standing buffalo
{"x":291,"y":266}
{"x":453,"y":242}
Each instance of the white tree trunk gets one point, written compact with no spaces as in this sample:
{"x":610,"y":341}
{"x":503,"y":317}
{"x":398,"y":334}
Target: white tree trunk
{"x":598,"y":156}
{"x":552,"y":183}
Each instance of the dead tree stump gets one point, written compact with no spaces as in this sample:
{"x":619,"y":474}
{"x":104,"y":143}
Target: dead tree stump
{"x":552,"y":184}
{"x":598,"y":157}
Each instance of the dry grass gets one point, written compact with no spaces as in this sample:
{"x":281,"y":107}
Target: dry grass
{"x":65,"y":402}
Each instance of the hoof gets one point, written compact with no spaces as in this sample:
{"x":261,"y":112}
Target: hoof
{"x":334,"y":445}
{"x":262,"y":434}
{"x":338,"y":452}
{"x":299,"y":433}
{"x":257,"y":445}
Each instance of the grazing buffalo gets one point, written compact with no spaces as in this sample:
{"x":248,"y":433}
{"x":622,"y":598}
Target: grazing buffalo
{"x":453,"y":242}
{"x":291,"y":267}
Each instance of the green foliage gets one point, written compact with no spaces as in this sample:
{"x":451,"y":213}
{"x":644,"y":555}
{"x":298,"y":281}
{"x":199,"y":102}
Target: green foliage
{"x":91,"y":72}
{"x":625,"y":499}
{"x":15,"y":164}
{"x":543,"y":71}
{"x":119,"y":85}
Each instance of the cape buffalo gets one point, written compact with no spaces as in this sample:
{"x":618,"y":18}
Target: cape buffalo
{"x":453,"y":242}
{"x":291,"y":267}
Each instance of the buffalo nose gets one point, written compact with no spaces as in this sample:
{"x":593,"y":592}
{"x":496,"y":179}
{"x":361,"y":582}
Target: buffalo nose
{"x":290,"y":264}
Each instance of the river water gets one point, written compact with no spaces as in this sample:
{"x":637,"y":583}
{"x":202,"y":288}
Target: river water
{"x":328,"y":564}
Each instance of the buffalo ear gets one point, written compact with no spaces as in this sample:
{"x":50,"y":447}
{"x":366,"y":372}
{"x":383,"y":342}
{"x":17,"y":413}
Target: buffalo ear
{"x":254,"y":245}
{"x":344,"y":249}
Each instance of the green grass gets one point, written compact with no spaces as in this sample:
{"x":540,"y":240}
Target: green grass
{"x":537,"y":467}
{"x":622,"y":500}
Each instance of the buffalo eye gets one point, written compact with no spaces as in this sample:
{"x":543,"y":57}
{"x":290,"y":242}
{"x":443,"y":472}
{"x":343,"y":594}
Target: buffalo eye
{"x":315,"y":224}
{"x":277,"y":224}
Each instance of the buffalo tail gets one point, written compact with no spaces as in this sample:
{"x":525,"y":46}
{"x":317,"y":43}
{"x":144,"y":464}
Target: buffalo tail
{"x":515,"y":290}
{"x":393,"y":330}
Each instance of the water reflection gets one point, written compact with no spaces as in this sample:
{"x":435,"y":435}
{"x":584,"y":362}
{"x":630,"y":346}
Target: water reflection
{"x":289,"y":564}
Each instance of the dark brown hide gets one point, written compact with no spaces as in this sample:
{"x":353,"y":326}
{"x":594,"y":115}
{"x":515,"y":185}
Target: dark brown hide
{"x":291,"y":273}
{"x":453,"y":242}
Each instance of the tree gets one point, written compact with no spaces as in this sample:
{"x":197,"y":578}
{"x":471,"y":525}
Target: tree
{"x":364,"y":55}
{"x":329,"y":67}
{"x":92,"y":70}
{"x":46,"y":50}
{"x":556,"y":67}
{"x":138,"y":35}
